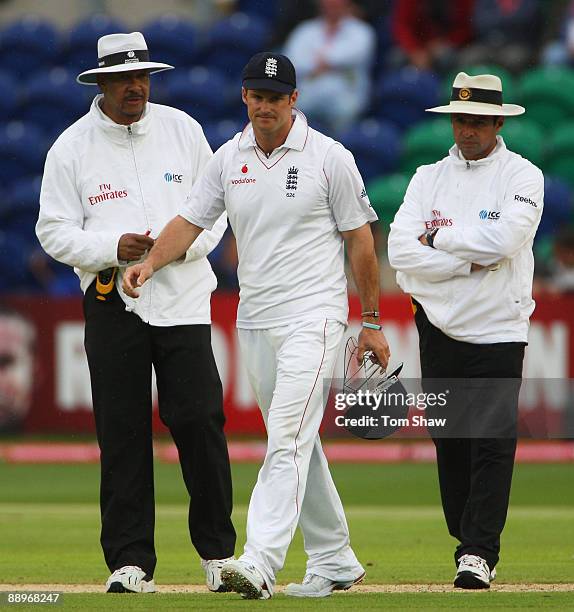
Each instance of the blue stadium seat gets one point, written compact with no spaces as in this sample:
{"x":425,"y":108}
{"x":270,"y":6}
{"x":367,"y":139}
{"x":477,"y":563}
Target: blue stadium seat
{"x":22,"y":151}
{"x":376,"y":146}
{"x":232,"y":41}
{"x":80,"y":49}
{"x":401,"y":96}
{"x":54,"y":100}
{"x":9,"y":98}
{"x":19,"y":212}
{"x":28,"y":45}
{"x":558,"y":206}
{"x":265,"y":9}
{"x":200,"y":92}
{"x":14,"y":274}
{"x":171,"y":40}
{"x":219,"y":132}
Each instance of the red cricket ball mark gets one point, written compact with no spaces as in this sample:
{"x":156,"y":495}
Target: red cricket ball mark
{"x":245,"y":169}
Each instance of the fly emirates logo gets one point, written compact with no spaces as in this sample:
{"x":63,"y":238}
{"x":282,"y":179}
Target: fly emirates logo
{"x":438,"y":220}
{"x":107,"y":193}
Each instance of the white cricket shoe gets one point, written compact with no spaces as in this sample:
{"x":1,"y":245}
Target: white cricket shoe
{"x":473,"y":573}
{"x":130,"y":579}
{"x":244,"y":579}
{"x":212,"y":569}
{"x":317,"y":586}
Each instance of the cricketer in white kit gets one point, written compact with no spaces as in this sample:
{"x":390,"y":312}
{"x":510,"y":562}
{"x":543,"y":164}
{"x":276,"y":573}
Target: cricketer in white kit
{"x":294,"y":198}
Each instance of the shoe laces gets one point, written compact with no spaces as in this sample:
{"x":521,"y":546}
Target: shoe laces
{"x":475,"y":561}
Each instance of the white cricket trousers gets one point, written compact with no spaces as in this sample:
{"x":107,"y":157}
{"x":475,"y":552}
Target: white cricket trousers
{"x":287,"y":367}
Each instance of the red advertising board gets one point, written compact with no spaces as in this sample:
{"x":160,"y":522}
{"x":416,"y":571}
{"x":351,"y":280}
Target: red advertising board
{"x":60,"y":394}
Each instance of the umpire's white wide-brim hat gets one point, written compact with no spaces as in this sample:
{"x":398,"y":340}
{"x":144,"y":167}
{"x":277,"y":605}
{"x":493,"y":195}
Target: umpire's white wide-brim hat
{"x":478,"y":95}
{"x":121,"y":53}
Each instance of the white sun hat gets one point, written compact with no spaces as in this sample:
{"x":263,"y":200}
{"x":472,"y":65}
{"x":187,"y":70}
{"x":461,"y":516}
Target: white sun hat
{"x":478,"y":95}
{"x":121,"y":53}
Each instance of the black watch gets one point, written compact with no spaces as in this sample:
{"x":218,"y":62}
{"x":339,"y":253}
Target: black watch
{"x":430,"y":237}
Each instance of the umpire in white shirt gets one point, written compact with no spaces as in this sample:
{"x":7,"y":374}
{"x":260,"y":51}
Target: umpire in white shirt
{"x":112,"y":181}
{"x":462,"y":246}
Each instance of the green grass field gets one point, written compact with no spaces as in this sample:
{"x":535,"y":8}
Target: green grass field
{"x":49,"y":530}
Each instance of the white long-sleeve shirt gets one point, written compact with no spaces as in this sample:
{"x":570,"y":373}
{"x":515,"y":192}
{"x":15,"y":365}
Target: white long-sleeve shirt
{"x":102,"y":180}
{"x":488,"y":211}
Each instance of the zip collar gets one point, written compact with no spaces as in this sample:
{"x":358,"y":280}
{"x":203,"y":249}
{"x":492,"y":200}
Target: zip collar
{"x":296,"y":139}
{"x":458,"y":159}
{"x":117,"y":131}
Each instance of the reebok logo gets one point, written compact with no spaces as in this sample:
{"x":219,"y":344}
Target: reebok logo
{"x":518,"y":198}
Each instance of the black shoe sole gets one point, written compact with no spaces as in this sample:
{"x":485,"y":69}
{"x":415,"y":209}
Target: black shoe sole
{"x":118,"y":587}
{"x":468,"y":580}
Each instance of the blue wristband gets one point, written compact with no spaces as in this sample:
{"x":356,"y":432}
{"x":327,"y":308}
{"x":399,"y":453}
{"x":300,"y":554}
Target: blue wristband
{"x":372,"y":326}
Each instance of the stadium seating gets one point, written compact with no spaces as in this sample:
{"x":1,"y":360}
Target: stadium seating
{"x":9,"y":97}
{"x":547,"y":95}
{"x":559,"y":157}
{"x":402,"y":96}
{"x":28,"y":45}
{"x":232,"y":41}
{"x":375,"y":145}
{"x":22,"y":151}
{"x":201,"y":92}
{"x":426,"y":144}
{"x":172,"y":40}
{"x":54,"y":100}
{"x":525,"y":137}
{"x":386,"y":194}
{"x":558,"y":206}
{"x":219,"y":132}
{"x":19,"y":211}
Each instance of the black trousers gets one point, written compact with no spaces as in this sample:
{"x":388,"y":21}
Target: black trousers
{"x":121,"y":349}
{"x":475,"y":473}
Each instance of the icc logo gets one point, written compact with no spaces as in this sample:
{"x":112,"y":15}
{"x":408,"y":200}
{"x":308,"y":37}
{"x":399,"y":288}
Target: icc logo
{"x":176,"y":178}
{"x":489,"y":214}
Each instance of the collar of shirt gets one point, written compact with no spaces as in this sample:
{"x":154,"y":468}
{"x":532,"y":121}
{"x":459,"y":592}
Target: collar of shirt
{"x":460,"y":160}
{"x":138,"y":128}
{"x":296,"y":138}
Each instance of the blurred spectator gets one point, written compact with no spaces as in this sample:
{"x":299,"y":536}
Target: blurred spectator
{"x":333,"y":55}
{"x":561,"y":52}
{"x":428,"y":32}
{"x":17,"y":338}
{"x":507,"y":33}
{"x":559,"y":277}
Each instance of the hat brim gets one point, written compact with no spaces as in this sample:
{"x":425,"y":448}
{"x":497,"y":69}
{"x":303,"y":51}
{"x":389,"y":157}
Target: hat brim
{"x":269,"y":85}
{"x":90,"y":77}
{"x":479,"y":108}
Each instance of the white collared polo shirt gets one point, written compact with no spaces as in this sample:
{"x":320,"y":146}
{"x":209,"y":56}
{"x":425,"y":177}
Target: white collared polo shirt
{"x":286,"y":211}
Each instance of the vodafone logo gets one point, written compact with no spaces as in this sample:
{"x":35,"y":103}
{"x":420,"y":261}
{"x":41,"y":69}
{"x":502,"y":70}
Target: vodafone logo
{"x":245,"y":169}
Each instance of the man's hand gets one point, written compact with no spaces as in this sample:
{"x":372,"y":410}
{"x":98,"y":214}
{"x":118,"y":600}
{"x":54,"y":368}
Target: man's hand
{"x":132,"y":246}
{"x":136,"y":276}
{"x":373,"y":340}
{"x":476,"y":267}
